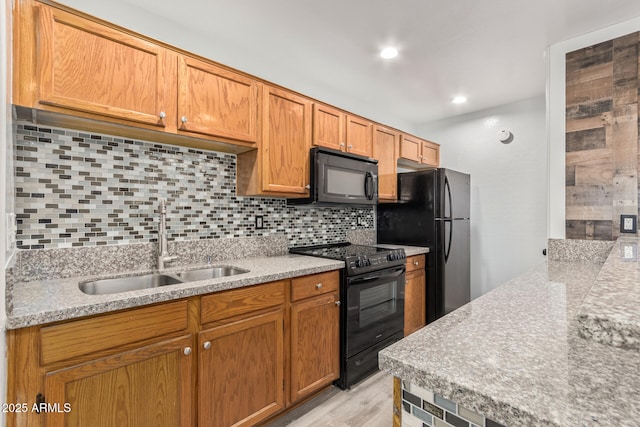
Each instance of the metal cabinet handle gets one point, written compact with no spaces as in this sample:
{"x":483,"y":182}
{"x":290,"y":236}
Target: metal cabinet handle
{"x":416,"y":263}
{"x":337,"y":303}
{"x":162,"y":114}
{"x":350,"y":146}
{"x":187,"y":351}
{"x":308,"y":187}
{"x":207,"y":345}
{"x":406,"y":282}
{"x":183,"y":119}
{"x":318,"y":285}
{"x":341,"y":144}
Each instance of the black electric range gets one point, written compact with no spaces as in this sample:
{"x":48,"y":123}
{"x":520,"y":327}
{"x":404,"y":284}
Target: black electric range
{"x":372,"y":313}
{"x":358,"y":259}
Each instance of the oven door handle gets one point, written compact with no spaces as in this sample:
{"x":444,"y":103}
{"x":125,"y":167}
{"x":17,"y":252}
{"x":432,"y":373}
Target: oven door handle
{"x":374,"y":277}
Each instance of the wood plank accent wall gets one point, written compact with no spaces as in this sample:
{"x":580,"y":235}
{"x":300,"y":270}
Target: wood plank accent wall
{"x":602,"y":163}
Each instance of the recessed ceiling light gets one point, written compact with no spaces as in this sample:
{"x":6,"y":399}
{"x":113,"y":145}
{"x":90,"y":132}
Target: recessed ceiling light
{"x":389,"y":52}
{"x":459,"y":99}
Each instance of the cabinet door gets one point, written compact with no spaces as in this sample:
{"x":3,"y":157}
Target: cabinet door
{"x":286,"y":142}
{"x":241,"y":371}
{"x":415,"y":302}
{"x":216,"y":102}
{"x":328,"y":127}
{"x":150,"y":386}
{"x":385,"y":150}
{"x":88,"y":67}
{"x":430,"y":153}
{"x":315,"y":344}
{"x":410,"y":148}
{"x":359,"y":136}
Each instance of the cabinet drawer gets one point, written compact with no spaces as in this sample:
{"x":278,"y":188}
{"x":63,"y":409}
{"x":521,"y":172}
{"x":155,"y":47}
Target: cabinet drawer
{"x":415,"y":263}
{"x":241,"y":301}
{"x":73,"y":339}
{"x":315,"y":284}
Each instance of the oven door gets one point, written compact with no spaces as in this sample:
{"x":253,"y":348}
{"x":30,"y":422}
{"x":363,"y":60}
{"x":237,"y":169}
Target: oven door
{"x":375,"y":308}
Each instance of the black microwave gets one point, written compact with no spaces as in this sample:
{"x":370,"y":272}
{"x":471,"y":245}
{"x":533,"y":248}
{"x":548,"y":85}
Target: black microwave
{"x":338,"y":178}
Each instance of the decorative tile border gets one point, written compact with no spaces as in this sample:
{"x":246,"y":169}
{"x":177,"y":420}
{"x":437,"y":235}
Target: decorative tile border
{"x":422,"y":408}
{"x":76,"y":189}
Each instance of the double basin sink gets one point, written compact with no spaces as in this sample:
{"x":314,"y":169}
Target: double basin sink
{"x":154,"y":280}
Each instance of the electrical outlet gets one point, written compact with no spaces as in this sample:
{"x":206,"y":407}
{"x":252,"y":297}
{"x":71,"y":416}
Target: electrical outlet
{"x":259,"y":222}
{"x":629,"y":252}
{"x":628,"y":223}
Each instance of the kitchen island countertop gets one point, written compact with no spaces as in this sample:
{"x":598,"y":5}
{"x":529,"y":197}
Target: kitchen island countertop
{"x":516,"y":355}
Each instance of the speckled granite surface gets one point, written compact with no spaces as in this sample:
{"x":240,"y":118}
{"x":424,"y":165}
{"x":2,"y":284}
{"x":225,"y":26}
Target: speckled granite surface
{"x":611,"y":311}
{"x":515,"y":355}
{"x":44,"y":301}
{"x":408,"y":250}
{"x":573,"y":250}
{"x":43,"y":264}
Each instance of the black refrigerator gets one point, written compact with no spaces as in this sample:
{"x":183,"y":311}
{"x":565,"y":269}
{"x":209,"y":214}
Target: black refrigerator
{"x":433,"y":211}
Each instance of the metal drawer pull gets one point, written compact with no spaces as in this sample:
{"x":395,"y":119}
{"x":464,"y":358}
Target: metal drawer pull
{"x":318,"y":285}
{"x":183,"y":119}
{"x":338,"y":303}
{"x":415,"y":263}
{"x":187,"y":351}
{"x":207,"y":345}
{"x":162,"y":114}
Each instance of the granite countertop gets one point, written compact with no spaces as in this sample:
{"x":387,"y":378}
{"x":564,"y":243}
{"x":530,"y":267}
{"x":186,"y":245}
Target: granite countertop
{"x":611,"y":311}
{"x":44,"y":301}
{"x":516,"y":354}
{"x":38,"y":302}
{"x":408,"y":250}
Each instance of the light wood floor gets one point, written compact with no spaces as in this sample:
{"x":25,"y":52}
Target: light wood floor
{"x":369,"y":403}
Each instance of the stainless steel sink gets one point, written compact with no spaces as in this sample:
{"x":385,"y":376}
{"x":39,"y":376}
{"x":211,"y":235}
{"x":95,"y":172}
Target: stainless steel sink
{"x":210,"y":273}
{"x":154,"y":280}
{"x":131,"y":283}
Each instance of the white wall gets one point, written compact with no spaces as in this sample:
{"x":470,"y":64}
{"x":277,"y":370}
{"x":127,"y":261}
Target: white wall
{"x":508,"y":186}
{"x":556,"y":115}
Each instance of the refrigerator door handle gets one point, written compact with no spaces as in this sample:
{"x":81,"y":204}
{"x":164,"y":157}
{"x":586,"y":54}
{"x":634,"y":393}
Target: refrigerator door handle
{"x":448,"y":187}
{"x":446,"y":254}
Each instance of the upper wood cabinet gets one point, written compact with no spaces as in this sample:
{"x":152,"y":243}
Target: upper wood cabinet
{"x":419,"y":150}
{"x":328,"y":127}
{"x":217,"y":102}
{"x":333,"y":128}
{"x":280,"y":166}
{"x":386,"y":150}
{"x":89,"y":67}
{"x":359,"y":136}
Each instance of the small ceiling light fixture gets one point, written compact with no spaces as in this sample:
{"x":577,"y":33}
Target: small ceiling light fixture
{"x":459,"y":99}
{"x":389,"y":52}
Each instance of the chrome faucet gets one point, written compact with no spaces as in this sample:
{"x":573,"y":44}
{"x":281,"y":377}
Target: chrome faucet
{"x":163,"y":252}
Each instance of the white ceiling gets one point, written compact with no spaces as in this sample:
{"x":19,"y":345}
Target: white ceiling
{"x":492,"y":51}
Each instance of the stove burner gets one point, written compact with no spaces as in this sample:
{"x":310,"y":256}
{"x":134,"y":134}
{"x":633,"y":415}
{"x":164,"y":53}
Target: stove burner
{"x":358,"y":258}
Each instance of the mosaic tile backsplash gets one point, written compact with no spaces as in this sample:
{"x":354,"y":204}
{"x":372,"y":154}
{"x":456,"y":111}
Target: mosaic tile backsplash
{"x":422,"y":408}
{"x":79,"y":189}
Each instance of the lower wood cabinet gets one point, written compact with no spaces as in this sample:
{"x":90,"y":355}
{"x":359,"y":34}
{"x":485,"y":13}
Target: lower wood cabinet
{"x":241,"y":371}
{"x":232,"y":358}
{"x":415,"y":295}
{"x":147,"y":386}
{"x":315,"y":344}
